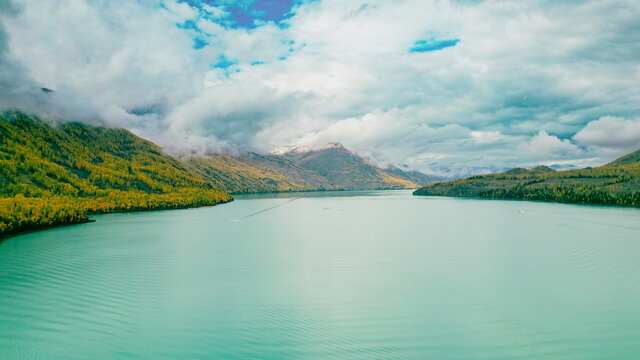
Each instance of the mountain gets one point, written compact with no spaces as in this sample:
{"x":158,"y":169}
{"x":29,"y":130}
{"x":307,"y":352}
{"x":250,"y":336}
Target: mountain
{"x":632,"y":159}
{"x":346,"y":170}
{"x":58,"y":174}
{"x":52,"y":175}
{"x":616,"y":183}
{"x":335,"y":168}
{"x":414,"y":176}
{"x":252,"y":172}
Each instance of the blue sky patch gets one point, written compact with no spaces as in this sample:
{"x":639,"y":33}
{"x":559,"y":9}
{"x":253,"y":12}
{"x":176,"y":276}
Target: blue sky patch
{"x":199,"y":43}
{"x":261,"y":10}
{"x":223,"y":63}
{"x":247,"y":14}
{"x":432,"y":44}
{"x":189,"y":25}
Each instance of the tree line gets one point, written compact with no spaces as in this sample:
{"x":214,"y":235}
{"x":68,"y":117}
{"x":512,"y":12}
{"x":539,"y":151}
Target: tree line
{"x":54,"y":174}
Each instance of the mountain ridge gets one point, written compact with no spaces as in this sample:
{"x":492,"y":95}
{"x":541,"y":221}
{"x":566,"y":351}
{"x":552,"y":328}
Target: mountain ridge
{"x":615,"y":183}
{"x":345,"y":169}
{"x":253,"y":173}
{"x":301,"y":169}
{"x":59,"y":174}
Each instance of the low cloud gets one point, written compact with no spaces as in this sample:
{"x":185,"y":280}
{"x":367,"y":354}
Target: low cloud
{"x":522,"y":85}
{"x":611,"y":132}
{"x":544,"y":146}
{"x":486,"y":137}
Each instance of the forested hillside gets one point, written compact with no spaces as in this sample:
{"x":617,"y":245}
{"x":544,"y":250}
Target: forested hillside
{"x":251,"y":173}
{"x":52,"y":175}
{"x":616,"y":183}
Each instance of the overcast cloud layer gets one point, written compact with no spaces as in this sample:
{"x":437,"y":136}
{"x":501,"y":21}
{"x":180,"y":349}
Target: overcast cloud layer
{"x":446,"y":87}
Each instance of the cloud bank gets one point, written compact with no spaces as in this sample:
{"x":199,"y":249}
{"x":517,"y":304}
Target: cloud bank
{"x":446,"y":87}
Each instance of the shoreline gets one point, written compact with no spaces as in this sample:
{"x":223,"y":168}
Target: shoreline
{"x":7,"y":236}
{"x":28,"y":231}
{"x":529,"y":200}
{"x":88,"y":221}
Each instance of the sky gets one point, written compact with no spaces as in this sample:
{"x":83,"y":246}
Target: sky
{"x":451,"y":88}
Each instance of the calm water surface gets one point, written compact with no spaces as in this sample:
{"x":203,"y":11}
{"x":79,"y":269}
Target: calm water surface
{"x":329,"y":276}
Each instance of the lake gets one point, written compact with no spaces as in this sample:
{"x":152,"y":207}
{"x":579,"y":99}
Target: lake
{"x":339,"y":275}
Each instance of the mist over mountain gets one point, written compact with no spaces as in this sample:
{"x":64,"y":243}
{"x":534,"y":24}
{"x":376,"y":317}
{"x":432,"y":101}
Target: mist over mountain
{"x":54,"y":174}
{"x":349,"y":171}
{"x":450,"y":88}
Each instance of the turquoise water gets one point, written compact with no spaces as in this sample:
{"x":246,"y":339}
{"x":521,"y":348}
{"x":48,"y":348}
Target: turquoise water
{"x":329,"y":276}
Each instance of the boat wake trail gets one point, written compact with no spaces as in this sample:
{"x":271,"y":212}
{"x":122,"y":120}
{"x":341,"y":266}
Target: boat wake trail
{"x":264,"y":210}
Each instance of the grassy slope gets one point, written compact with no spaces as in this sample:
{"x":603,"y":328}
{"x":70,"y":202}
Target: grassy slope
{"x":251,"y":173}
{"x":415,"y":177}
{"x":346,"y":170}
{"x":57,"y":175}
{"x":616,"y":183}
{"x":329,"y":169}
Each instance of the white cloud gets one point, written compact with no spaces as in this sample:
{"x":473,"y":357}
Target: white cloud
{"x":611,"y":132}
{"x":486,"y":137}
{"x":544,"y":146}
{"x":342,"y":71}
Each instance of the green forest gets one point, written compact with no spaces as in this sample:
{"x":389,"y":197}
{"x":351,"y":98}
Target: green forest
{"x":58,"y":174}
{"x":616,"y":183}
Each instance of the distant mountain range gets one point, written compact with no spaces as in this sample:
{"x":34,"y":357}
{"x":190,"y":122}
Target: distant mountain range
{"x":346,"y":170}
{"x":334,"y":168}
{"x":252,"y":172}
{"x":52,"y":175}
{"x":616,"y":183}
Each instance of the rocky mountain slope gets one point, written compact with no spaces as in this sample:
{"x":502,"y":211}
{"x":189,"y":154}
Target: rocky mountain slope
{"x":346,"y":170}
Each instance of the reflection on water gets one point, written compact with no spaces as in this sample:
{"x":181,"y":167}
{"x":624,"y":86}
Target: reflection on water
{"x":338,"y":275}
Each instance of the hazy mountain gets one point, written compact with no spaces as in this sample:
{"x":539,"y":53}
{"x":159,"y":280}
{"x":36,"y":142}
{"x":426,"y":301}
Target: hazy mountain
{"x":414,"y":176}
{"x":347,"y":170}
{"x":253,"y":172}
{"x":334,"y":168}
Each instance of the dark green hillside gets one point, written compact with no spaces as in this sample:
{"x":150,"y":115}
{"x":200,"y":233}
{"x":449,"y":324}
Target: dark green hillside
{"x":616,"y":183}
{"x":57,"y":175}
